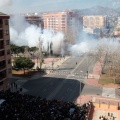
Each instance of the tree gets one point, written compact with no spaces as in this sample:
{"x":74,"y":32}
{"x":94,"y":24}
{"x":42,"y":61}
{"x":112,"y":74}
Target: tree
{"x":39,"y":53}
{"x":23,"y":63}
{"x":32,"y":49}
{"x":101,"y":53}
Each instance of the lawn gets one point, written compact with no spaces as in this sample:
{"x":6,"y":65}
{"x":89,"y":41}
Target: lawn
{"x":105,"y":79}
{"x":28,"y":73}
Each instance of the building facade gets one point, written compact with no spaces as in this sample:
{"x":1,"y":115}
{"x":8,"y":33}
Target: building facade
{"x":93,"y":22}
{"x":66,"y":21}
{"x":116,"y":31}
{"x":34,"y":20}
{"x":5,"y":52}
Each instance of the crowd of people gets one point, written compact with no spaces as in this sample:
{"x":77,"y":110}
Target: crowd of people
{"x":27,"y":107}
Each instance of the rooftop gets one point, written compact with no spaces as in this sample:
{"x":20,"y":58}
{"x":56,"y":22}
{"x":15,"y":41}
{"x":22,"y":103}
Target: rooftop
{"x":3,"y":14}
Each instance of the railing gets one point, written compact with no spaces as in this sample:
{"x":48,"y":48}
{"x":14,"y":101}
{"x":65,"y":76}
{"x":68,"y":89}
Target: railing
{"x":2,"y":67}
{"x":89,"y":112}
{"x":2,"y":53}
{"x":1,"y":46}
{"x":1,"y":36}
{"x":1,"y":26}
{"x":2,"y":77}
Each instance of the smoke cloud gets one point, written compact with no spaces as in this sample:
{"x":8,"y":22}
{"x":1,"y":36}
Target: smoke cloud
{"x":22,"y":33}
{"x":88,"y":45}
{"x":5,"y":2}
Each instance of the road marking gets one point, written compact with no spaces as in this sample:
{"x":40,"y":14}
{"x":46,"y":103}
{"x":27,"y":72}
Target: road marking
{"x":78,"y":64}
{"x":55,"y":91}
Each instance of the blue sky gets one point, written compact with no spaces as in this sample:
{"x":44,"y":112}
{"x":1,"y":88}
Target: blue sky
{"x":21,"y":6}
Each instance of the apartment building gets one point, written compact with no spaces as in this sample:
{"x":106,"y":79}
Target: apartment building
{"x":67,"y":21}
{"x":5,"y":53}
{"x":35,"y":20}
{"x":116,"y":31}
{"x":94,"y":21}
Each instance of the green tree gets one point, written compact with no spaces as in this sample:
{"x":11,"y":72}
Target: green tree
{"x":23,"y":63}
{"x":32,"y":49}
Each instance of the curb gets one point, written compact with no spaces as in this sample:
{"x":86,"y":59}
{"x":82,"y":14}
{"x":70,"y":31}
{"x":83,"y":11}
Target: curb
{"x":57,"y":66}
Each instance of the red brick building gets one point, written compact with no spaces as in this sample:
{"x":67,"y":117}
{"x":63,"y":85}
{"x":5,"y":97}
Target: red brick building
{"x":5,"y":52}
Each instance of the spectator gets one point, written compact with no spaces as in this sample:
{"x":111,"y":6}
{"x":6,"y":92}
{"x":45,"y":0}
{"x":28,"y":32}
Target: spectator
{"x":27,"y":107}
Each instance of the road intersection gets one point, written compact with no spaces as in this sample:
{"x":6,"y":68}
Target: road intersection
{"x":67,"y":82}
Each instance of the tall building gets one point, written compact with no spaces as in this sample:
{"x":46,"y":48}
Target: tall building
{"x":35,"y":20}
{"x":5,"y":52}
{"x":94,"y":21}
{"x":116,"y":31}
{"x":67,"y":21}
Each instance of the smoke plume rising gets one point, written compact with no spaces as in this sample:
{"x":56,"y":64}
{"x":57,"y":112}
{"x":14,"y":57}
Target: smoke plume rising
{"x":5,"y":2}
{"x":22,"y":33}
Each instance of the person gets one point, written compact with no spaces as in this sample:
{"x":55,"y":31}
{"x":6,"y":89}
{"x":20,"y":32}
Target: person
{"x":20,"y":89}
{"x":76,"y":63}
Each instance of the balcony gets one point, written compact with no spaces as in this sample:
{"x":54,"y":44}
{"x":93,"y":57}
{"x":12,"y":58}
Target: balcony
{"x":2,"y":55}
{"x":1,"y":44}
{"x":1,"y":23}
{"x":1,"y":26}
{"x":3,"y":75}
{"x":1,"y":34}
{"x":2,"y":65}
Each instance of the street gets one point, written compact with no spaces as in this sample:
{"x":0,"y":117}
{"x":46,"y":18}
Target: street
{"x":66,"y":83}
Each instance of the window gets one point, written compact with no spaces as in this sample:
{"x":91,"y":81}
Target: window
{"x":1,"y":22}
{"x":8,"y":52}
{"x":2,"y":53}
{"x":7,"y":42}
{"x":6,"y":32}
{"x":1,"y":34}
{"x":9,"y":61}
{"x":63,"y":15}
{"x":1,"y":44}
{"x":1,"y":83}
{"x":62,"y":18}
{"x":6,"y":22}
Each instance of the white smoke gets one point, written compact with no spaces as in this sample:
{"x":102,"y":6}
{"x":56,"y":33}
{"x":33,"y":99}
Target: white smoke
{"x":79,"y":48}
{"x":5,"y":3}
{"x":22,"y":33}
{"x":83,"y":46}
{"x":91,"y":45}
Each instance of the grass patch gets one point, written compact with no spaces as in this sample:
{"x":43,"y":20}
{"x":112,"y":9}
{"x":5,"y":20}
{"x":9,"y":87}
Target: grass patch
{"x":105,"y":80}
{"x":28,"y":73}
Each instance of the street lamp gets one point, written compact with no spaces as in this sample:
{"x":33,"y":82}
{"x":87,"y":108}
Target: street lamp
{"x":87,"y":74}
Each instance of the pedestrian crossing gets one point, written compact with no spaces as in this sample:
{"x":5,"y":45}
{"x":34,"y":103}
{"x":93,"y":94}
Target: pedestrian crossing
{"x":68,"y":74}
{"x":108,"y":92}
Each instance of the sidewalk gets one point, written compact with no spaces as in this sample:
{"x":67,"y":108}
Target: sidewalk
{"x":47,"y":66}
{"x":94,"y":77}
{"x":51,"y":64}
{"x":95,"y":98}
{"x":101,"y":105}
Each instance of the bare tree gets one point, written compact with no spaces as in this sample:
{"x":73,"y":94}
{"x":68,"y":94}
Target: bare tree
{"x":39,"y":53}
{"x":101,"y":54}
{"x":110,"y":59}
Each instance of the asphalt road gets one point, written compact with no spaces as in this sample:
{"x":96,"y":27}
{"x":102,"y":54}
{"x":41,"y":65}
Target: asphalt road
{"x":66,"y":82}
